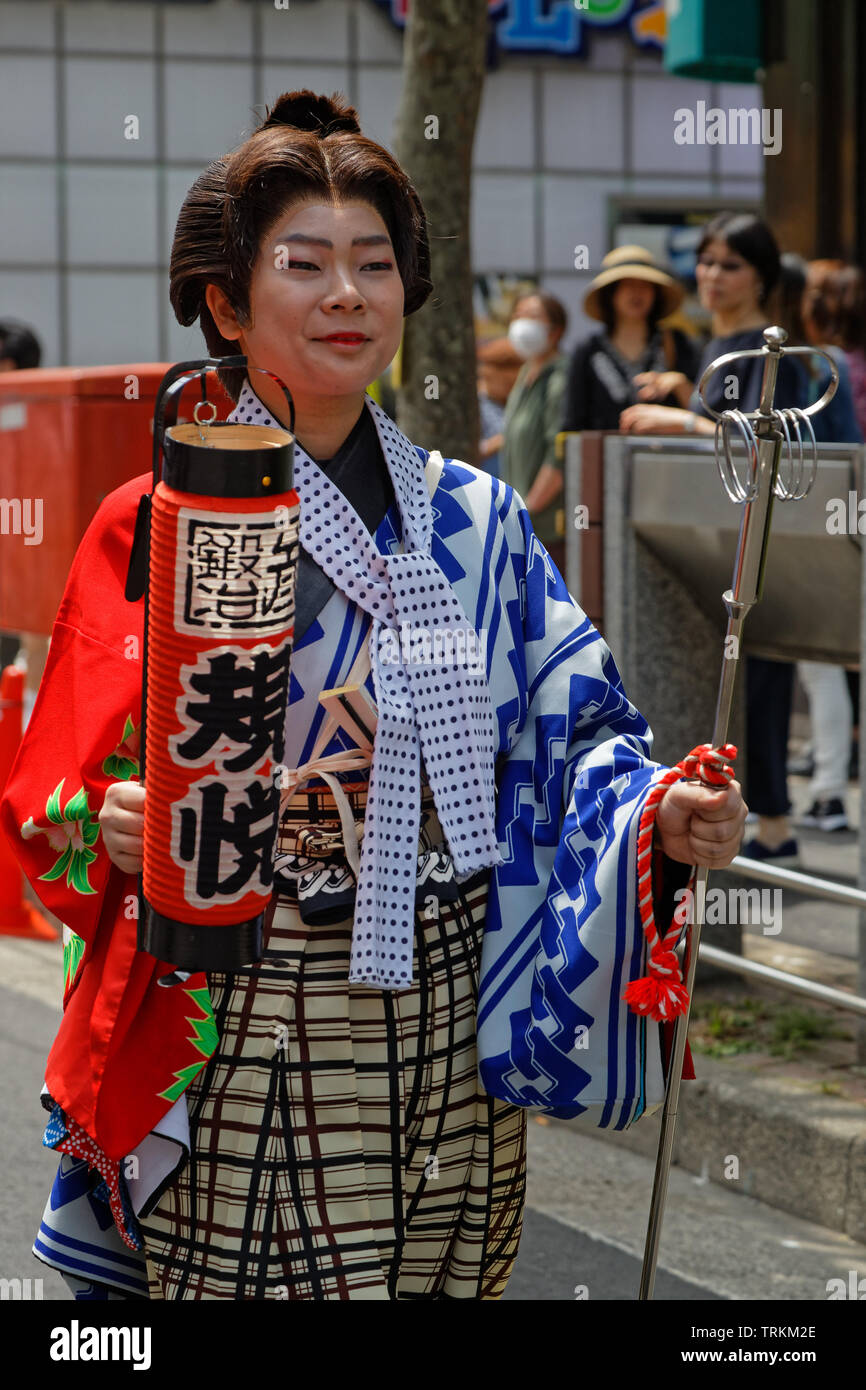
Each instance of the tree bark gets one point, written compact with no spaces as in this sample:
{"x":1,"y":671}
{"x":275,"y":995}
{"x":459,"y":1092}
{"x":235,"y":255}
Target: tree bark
{"x":443,"y":73}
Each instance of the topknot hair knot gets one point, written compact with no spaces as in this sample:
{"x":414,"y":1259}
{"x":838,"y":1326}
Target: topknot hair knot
{"x":307,"y":110}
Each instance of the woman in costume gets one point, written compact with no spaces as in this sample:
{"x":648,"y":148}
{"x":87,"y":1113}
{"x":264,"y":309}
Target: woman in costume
{"x":323,"y":1125}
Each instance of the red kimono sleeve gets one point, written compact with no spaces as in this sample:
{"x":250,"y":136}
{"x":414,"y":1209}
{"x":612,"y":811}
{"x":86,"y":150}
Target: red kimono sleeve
{"x":125,"y":1048}
{"x":83,"y":732}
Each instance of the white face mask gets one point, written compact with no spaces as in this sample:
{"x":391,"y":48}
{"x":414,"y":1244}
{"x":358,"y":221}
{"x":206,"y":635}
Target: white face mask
{"x":529,"y":337}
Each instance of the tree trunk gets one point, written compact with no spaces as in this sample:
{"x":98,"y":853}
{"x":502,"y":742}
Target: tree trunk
{"x":443,"y":71}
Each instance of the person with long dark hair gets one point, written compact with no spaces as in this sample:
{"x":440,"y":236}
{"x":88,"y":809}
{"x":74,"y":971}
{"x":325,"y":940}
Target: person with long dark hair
{"x":827,"y":686}
{"x":836,"y":299}
{"x":794,"y":306}
{"x":738,"y":268}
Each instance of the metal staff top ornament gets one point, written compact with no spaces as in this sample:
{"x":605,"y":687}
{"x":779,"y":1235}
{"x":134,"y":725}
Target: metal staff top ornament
{"x":219,"y":616}
{"x":661,"y":993}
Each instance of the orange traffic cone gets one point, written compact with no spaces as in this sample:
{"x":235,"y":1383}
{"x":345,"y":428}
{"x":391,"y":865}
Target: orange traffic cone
{"x":18,"y":917}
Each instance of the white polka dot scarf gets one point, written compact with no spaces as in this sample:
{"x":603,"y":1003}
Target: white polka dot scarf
{"x":431,"y":690}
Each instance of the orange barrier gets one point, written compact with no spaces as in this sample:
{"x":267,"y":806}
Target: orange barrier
{"x":68,"y":436}
{"x":18,"y":917}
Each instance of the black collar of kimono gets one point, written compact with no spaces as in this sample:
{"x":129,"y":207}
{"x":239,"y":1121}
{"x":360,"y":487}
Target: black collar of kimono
{"x":359,"y":470}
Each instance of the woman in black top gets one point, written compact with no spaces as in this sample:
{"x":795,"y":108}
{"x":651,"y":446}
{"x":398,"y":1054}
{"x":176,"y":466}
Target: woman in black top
{"x":631,"y":358}
{"x":738,"y":266}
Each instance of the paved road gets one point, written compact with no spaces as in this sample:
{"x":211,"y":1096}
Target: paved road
{"x":587,"y":1206}
{"x":557,"y":1262}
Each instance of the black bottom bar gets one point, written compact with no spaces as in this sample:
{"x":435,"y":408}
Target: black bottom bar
{"x":200,"y":947}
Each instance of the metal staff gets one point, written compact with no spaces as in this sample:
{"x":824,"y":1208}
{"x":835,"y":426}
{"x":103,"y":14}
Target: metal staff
{"x":763,"y":433}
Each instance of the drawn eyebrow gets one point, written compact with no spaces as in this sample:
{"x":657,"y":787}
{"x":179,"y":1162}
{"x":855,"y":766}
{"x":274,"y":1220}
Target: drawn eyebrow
{"x":375,"y":239}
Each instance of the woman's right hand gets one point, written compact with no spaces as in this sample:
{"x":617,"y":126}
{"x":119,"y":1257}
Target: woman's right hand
{"x":656,"y":386}
{"x":121,"y":821}
{"x":653,"y":419}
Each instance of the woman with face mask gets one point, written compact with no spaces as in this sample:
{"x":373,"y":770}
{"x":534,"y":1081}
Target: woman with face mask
{"x":533,"y":416}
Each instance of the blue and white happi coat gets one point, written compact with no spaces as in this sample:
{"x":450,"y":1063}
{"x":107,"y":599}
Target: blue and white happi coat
{"x":563,"y":936}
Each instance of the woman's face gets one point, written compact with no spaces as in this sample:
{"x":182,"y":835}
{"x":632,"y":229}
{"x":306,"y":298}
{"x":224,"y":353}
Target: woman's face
{"x":726,"y":282}
{"x":633,"y":299}
{"x":531,"y":307}
{"x":322,"y":270}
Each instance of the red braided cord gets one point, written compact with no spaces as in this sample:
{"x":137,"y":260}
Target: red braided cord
{"x":661,"y":993}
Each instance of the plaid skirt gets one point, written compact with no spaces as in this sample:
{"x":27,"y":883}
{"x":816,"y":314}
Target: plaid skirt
{"x":341,"y":1144}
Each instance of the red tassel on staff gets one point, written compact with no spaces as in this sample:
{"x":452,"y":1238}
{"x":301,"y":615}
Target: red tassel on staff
{"x":661,"y":994}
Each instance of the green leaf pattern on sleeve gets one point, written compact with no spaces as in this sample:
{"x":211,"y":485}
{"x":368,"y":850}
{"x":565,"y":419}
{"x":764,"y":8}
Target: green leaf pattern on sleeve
{"x":204,"y":1040}
{"x":71,"y":830}
{"x":123,"y":763}
{"x":73,"y":950}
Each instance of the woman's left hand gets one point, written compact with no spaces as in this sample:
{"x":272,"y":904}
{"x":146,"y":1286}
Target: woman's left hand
{"x":652,"y":419}
{"x":701,"y":825}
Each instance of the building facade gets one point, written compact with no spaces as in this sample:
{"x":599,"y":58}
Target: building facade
{"x":109,"y":111}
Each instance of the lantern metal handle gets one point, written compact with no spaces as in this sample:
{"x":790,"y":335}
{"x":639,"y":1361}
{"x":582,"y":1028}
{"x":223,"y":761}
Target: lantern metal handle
{"x":179,"y":376}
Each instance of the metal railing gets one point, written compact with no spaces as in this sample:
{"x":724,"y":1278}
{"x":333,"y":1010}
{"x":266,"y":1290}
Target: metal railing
{"x":813,"y":887}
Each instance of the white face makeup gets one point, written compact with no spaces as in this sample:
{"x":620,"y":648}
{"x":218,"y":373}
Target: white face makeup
{"x":326,"y":299}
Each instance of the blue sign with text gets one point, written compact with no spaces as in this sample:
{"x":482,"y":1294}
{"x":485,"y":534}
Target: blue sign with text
{"x":559,"y":26}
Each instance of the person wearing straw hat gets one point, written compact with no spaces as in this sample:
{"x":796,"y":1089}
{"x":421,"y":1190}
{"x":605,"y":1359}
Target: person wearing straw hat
{"x":633,"y":358}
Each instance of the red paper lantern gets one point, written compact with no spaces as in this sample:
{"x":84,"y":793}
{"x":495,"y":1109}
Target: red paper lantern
{"x":219,"y":626}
